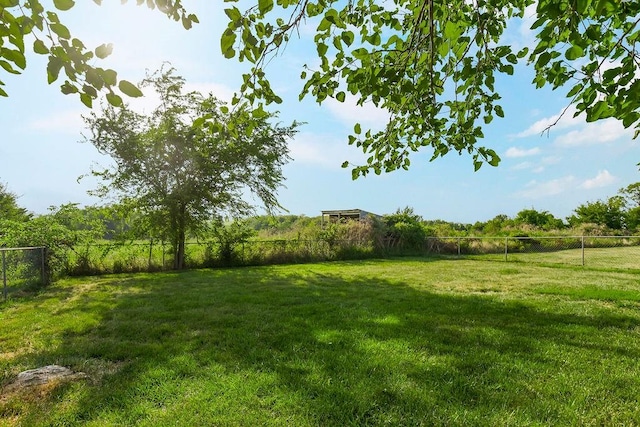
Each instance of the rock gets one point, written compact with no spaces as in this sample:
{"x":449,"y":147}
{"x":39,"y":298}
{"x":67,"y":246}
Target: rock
{"x":44,"y":375}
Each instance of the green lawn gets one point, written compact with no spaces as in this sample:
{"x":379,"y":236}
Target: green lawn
{"x":395,"y":342}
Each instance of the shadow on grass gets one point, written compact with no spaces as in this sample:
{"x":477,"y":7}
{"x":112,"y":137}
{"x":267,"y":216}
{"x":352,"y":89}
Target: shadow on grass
{"x":309,"y":346}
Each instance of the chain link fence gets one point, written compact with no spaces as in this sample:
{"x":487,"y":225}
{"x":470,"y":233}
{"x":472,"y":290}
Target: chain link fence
{"x":133,"y":257}
{"x":29,"y":266}
{"x":593,"y":251}
{"x":22,"y":268}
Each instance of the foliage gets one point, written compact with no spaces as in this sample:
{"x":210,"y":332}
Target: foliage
{"x":22,"y":21}
{"x":433,"y":65}
{"x":346,"y":233}
{"x":405,"y":228}
{"x":63,"y":231}
{"x":229,"y":236}
{"x":542,"y":220}
{"x":9,"y":208}
{"x":189,"y":161}
{"x":610,"y":213}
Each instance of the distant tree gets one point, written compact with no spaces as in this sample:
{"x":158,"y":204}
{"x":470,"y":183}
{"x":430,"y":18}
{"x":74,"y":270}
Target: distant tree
{"x":610,"y":213}
{"x":543,"y":220}
{"x":405,"y":228}
{"x":9,"y":208}
{"x":189,"y":161}
{"x":496,"y":225}
{"x":229,"y":236}
{"x":631,"y":193}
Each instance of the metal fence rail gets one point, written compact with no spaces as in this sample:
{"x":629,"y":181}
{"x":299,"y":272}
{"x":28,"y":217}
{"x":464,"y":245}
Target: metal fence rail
{"x":29,"y":265}
{"x":22,"y":267}
{"x":597,"y":251}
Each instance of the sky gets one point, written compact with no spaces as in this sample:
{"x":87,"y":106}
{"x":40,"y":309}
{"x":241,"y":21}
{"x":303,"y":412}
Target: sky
{"x":42,"y":154}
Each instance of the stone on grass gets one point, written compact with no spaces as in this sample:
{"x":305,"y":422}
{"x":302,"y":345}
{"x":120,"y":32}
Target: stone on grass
{"x":44,"y":375}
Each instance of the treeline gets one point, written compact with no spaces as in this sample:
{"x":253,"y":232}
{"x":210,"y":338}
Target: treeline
{"x":72,"y":233}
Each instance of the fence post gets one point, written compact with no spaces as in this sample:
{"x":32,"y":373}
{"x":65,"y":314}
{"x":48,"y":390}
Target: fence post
{"x":506,"y":247}
{"x":4,"y":275}
{"x":42,"y":271}
{"x":459,"y":246}
{"x":582,"y":250}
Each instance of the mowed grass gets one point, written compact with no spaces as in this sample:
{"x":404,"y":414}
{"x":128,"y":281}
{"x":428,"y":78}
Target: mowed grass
{"x":394,"y":342}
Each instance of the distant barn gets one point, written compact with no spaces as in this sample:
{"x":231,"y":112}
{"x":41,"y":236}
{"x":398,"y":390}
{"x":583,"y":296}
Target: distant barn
{"x":346,"y":215}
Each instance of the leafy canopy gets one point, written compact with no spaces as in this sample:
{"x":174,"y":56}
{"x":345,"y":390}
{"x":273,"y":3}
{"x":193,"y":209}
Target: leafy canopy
{"x":433,"y":65}
{"x":189,"y":161}
{"x":30,"y":25}
{"x":9,"y":208}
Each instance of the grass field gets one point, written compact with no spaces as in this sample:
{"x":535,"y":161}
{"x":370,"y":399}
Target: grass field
{"x":393,"y":342}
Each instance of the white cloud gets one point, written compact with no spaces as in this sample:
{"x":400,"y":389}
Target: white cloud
{"x":520,"y":152}
{"x":602,"y":132}
{"x":554,"y":187}
{"x":522,"y":166}
{"x":349,"y":113}
{"x":537,"y":190}
{"x":603,"y":179}
{"x":562,"y":121}
{"x":61,"y":122}
{"x":326,"y":151}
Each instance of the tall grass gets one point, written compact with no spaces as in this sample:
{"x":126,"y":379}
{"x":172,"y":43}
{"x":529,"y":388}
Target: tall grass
{"x":395,"y":342}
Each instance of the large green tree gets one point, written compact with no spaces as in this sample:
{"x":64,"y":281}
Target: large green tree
{"x":431,"y":64}
{"x":9,"y":208}
{"x":610,"y":214}
{"x":189,"y":161}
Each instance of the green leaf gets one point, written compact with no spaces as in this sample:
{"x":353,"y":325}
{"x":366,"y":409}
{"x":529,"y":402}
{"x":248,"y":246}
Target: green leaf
{"x":60,"y":30}
{"x":574,"y":52}
{"x":340,"y":96}
{"x":40,"y":48}
{"x":582,"y":5}
{"x":574,"y":90}
{"x":347,"y":37}
{"x":345,"y":164}
{"x":227,"y":41}
{"x":15,"y":56}
{"x":265,"y":6}
{"x":322,"y":49}
{"x":114,"y":99}
{"x":86,"y":99}
{"x":129,"y":89}
{"x":63,"y":4}
{"x":104,"y":50}
{"x":8,"y":68}
{"x":109,"y":76}
{"x":357,"y":129}
{"x":53,"y":68}
{"x":234,"y":14}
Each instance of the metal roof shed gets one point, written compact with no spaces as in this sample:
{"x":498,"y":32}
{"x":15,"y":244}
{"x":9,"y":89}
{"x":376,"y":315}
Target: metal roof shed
{"x":347,"y":214}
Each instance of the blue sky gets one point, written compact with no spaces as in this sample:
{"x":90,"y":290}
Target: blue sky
{"x":41,"y":156}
